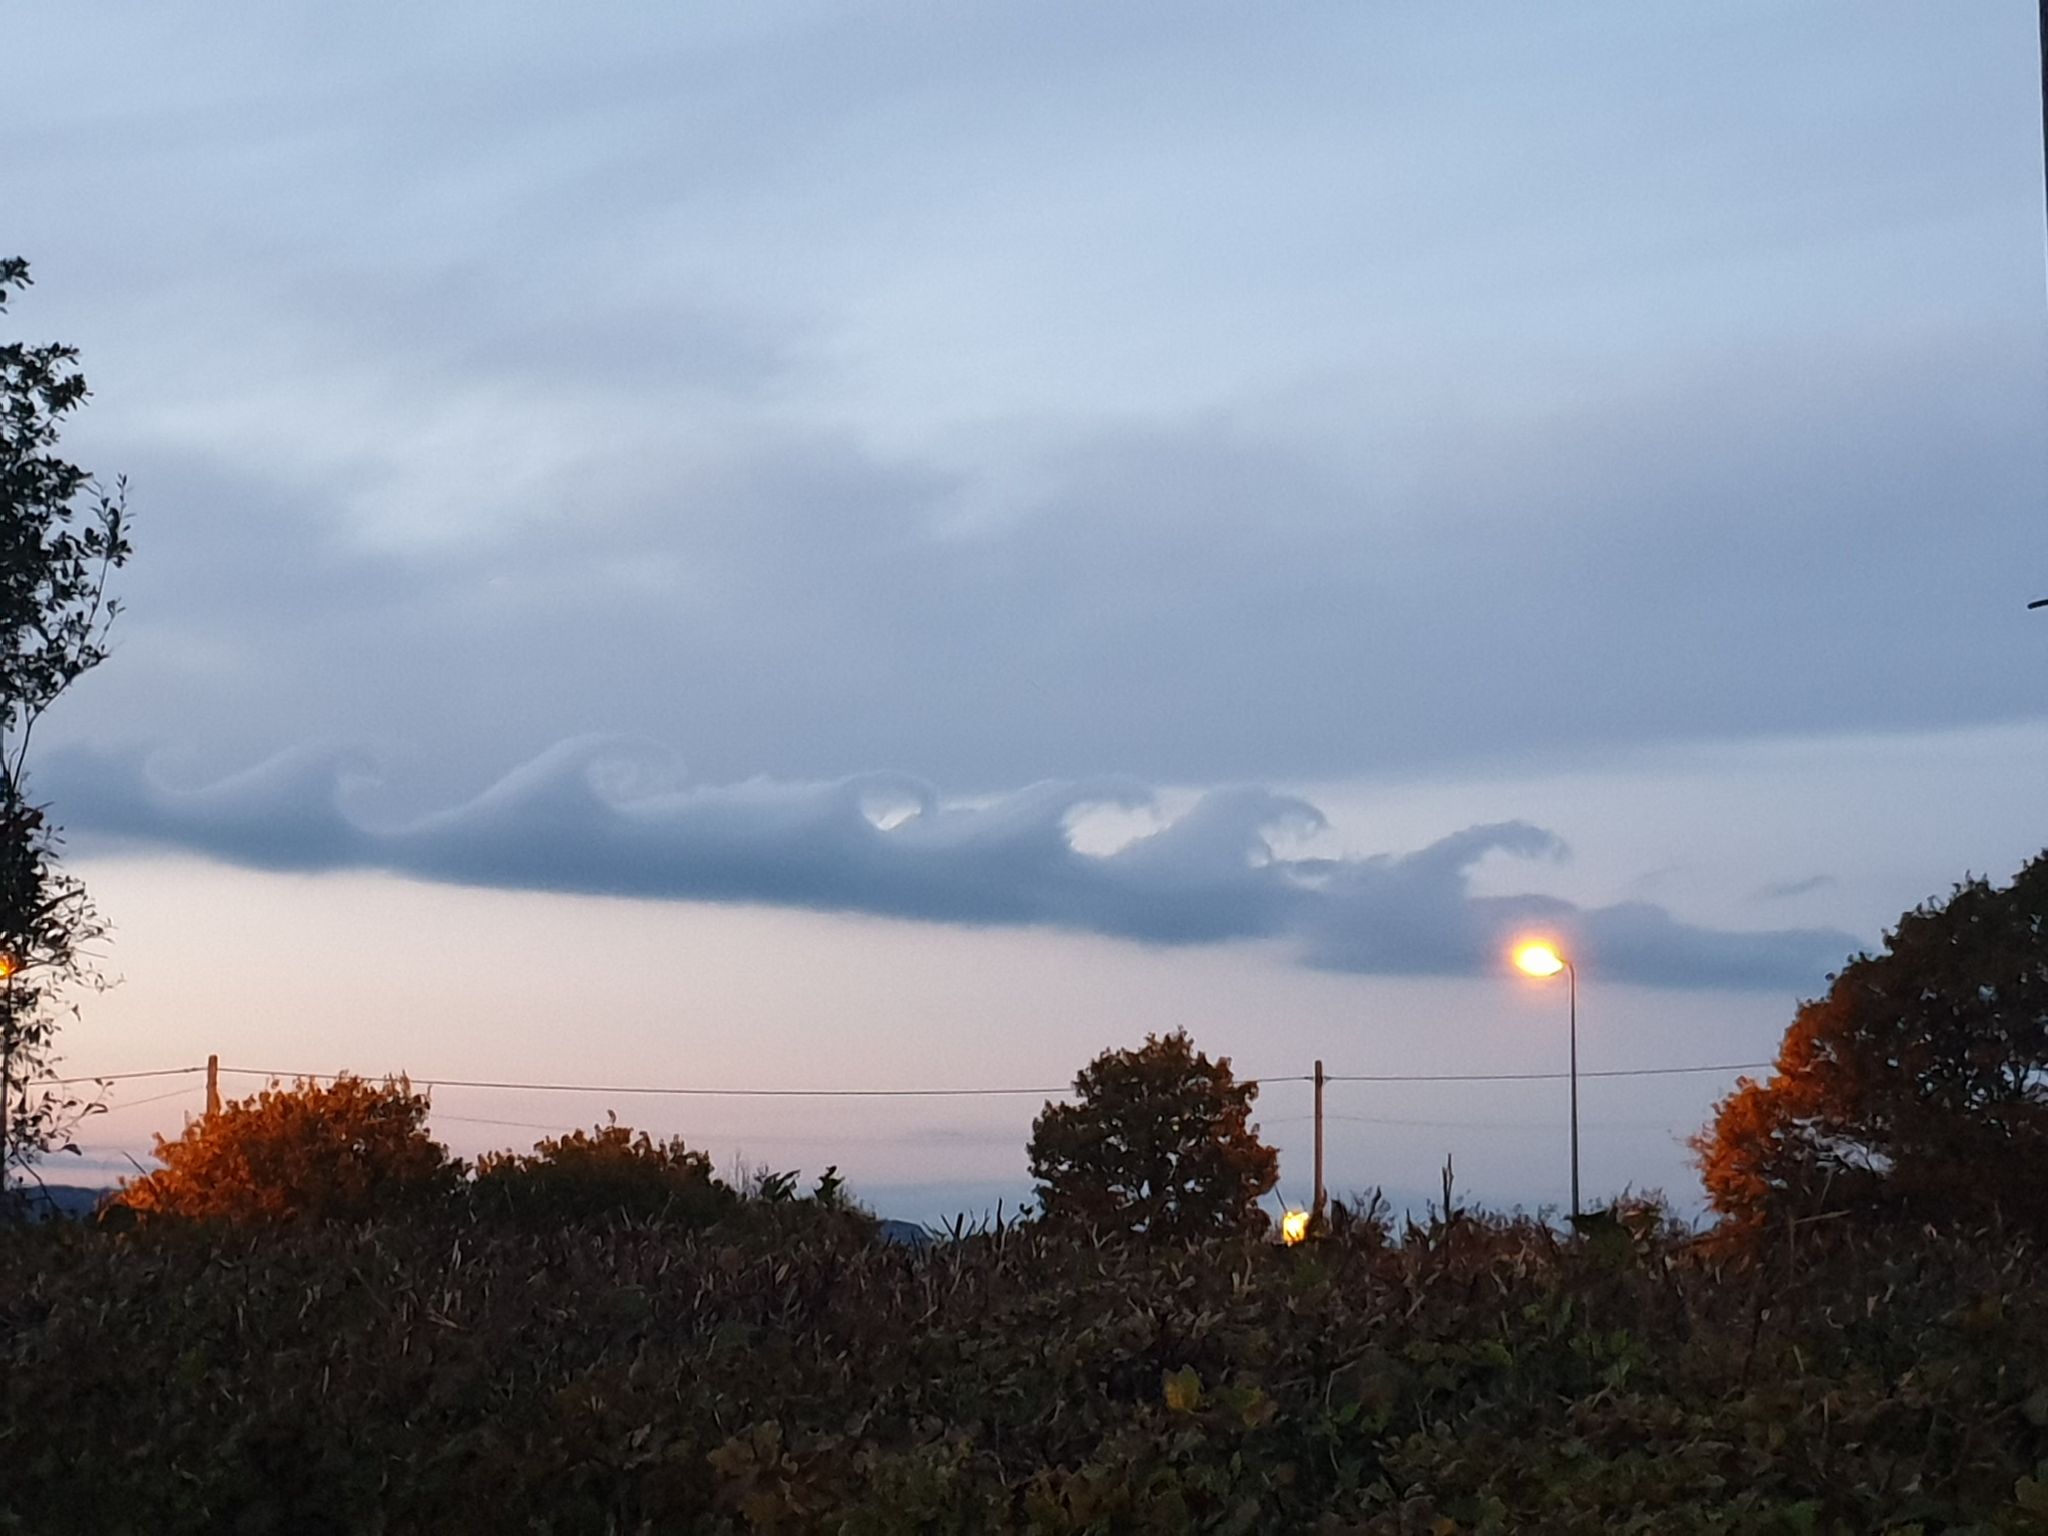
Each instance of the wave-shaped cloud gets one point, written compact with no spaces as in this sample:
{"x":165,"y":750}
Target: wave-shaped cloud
{"x":606,"y":817}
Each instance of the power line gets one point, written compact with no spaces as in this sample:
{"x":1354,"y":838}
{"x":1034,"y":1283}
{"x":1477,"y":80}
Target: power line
{"x":728,"y":1093}
{"x":122,"y":1077}
{"x":154,"y":1098}
{"x":523,"y":1125}
{"x":910,"y":1093}
{"x":1539,"y":1077}
{"x":1473,"y":1125}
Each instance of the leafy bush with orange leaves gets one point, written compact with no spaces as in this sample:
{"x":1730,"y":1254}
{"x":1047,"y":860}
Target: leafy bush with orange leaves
{"x":1918,"y":1085}
{"x":608,"y":1171}
{"x":349,"y":1150}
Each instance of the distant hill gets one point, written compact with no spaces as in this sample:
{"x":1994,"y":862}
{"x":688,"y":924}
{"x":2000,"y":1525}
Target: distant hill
{"x":47,"y":1202}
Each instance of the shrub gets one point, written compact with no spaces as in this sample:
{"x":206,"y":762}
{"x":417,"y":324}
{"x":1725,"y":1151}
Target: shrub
{"x":347,"y":1151}
{"x":610,"y":1171}
{"x":1484,"y":1375}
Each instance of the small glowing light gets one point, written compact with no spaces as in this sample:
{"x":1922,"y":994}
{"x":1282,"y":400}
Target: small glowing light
{"x":1293,"y":1227}
{"x":1539,"y":958}
{"x":6,"y":966}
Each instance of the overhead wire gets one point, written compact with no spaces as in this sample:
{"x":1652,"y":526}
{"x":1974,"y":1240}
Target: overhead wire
{"x":122,"y":1077}
{"x":1537,"y":1077}
{"x":1063,"y":1090}
{"x":736,"y":1093}
{"x":154,"y":1098}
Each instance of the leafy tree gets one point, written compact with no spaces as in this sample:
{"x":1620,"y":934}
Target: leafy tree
{"x":346,"y":1151}
{"x":1918,"y":1084}
{"x":1157,"y":1141}
{"x":61,"y":535}
{"x":610,"y":1170}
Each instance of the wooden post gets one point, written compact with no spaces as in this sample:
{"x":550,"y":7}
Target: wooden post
{"x":1318,"y":1213}
{"x":212,"y":1086}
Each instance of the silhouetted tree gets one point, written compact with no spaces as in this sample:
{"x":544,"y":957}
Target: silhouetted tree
{"x":1918,"y":1084}
{"x":1158,"y":1141}
{"x":348,"y":1150}
{"x":60,"y":537}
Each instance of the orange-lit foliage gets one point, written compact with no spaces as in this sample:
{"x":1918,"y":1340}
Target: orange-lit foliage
{"x":1158,"y":1140}
{"x":610,"y":1170}
{"x":346,"y":1151}
{"x":1918,"y":1084}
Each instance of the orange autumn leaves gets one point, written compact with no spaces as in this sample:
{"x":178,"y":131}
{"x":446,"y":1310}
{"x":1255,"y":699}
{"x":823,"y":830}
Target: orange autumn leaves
{"x":1917,"y":1085}
{"x":347,"y":1150}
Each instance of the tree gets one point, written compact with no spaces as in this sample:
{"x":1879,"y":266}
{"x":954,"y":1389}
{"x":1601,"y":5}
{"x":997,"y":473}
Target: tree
{"x":1918,"y":1084}
{"x":610,"y":1170}
{"x":346,"y":1151}
{"x":1158,"y":1140}
{"x":61,"y":535}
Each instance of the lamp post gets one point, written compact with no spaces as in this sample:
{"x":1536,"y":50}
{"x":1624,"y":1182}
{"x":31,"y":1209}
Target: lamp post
{"x":1541,"y":958}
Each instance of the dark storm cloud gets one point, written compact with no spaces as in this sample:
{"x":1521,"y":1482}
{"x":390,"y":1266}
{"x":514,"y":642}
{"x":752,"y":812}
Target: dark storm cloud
{"x":609,"y":818}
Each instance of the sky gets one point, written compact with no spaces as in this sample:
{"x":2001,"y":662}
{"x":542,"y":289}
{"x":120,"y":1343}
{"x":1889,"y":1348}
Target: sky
{"x":883,"y":546}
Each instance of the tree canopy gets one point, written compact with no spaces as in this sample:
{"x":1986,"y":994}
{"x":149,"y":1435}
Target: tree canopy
{"x":61,"y":534}
{"x":1917,"y":1084}
{"x":1159,"y":1141}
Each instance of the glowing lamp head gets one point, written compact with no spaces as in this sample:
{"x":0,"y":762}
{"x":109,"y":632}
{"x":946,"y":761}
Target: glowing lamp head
{"x":1293,"y":1227}
{"x":7,"y":966}
{"x":1539,"y":957}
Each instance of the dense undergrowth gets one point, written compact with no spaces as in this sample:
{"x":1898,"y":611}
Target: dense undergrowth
{"x":787,"y":1373}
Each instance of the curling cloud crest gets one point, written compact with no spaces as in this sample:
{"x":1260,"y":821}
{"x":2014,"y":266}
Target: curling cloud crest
{"x":606,"y":817}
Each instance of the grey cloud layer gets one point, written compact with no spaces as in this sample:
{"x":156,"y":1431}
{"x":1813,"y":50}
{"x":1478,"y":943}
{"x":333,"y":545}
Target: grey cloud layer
{"x":1200,"y":601}
{"x":606,"y":818}
{"x":1183,"y":391}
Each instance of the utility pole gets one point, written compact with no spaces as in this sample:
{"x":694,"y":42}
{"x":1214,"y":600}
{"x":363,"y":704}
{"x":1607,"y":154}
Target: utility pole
{"x":1571,"y":977}
{"x":1318,"y":1212}
{"x":212,"y":1086}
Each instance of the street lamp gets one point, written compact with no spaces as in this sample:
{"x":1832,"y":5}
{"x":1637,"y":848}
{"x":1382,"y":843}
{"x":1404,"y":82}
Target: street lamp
{"x":1540,"y":957}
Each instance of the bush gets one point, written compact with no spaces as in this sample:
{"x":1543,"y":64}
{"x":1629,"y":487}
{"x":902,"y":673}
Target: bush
{"x":1483,"y":1375}
{"x":346,"y":1152}
{"x":610,"y":1171}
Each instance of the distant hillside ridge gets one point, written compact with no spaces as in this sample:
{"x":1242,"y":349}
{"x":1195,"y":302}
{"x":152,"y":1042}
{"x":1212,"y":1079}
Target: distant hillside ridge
{"x":52,"y":1202}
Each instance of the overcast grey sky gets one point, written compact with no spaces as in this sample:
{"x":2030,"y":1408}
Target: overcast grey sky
{"x":653,"y":452}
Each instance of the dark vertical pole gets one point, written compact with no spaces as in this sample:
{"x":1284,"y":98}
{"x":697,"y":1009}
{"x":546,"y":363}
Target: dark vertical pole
{"x":1571,"y":977}
{"x":6,"y":1082}
{"x":212,"y":1086}
{"x":2042,"y":34}
{"x":1317,"y":1208}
